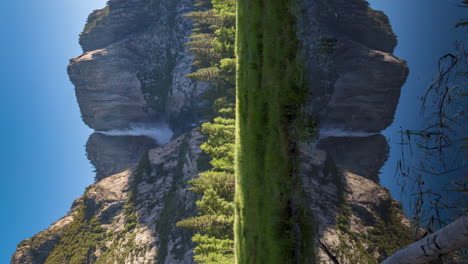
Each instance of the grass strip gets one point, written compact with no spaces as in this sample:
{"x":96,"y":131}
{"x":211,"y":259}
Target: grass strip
{"x":269,"y":93}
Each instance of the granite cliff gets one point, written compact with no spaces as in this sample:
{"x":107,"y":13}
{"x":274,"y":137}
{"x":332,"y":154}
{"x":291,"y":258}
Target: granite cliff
{"x":354,"y":86}
{"x":131,"y":74}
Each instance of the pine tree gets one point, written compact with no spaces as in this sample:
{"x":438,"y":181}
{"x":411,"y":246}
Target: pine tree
{"x":220,"y":181}
{"x":212,"y":43}
{"x":203,"y":4}
{"x":211,"y":74}
{"x":212,"y":250}
{"x":208,"y":17}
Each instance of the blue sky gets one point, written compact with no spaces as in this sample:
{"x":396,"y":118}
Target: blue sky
{"x":44,"y":167}
{"x":425,"y":30}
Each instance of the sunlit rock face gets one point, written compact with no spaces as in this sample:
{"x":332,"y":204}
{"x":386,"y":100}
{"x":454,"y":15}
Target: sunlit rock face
{"x":115,"y":22}
{"x":132,"y":74}
{"x":133,"y":66}
{"x":131,"y":89}
{"x":108,"y":90}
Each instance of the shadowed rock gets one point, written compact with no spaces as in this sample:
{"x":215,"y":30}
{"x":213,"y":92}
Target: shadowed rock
{"x":359,"y":155}
{"x":354,"y":81}
{"x":367,"y":88}
{"x":356,"y":20}
{"x":134,"y":66}
{"x":114,"y":154}
{"x":354,"y":87}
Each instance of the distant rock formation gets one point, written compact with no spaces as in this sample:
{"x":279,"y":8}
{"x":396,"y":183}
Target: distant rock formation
{"x":355,"y":80}
{"x":132,"y":73}
{"x":354,"y":87}
{"x":113,"y":154}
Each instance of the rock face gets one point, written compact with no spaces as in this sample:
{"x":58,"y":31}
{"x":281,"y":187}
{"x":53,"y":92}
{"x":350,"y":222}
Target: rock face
{"x":356,"y":220}
{"x":355,"y":81}
{"x":359,"y":155}
{"x":113,"y":154}
{"x":132,"y":70}
{"x":108,"y":91}
{"x":132,"y":74}
{"x":35,"y":250}
{"x":355,"y":85}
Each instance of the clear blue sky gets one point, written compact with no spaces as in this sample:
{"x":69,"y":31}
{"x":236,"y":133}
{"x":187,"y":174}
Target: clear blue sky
{"x":44,"y":167}
{"x":425,"y":30}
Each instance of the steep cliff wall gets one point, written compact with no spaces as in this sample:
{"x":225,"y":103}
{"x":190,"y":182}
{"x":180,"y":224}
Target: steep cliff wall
{"x":132,"y":68}
{"x":132,"y":74}
{"x":355,"y":81}
{"x":113,"y":154}
{"x":354,"y":86}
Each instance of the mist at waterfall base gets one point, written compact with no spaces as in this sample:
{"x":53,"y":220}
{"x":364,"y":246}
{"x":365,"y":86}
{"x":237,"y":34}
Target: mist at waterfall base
{"x":426,"y":31}
{"x":161,"y":132}
{"x":340,"y":132}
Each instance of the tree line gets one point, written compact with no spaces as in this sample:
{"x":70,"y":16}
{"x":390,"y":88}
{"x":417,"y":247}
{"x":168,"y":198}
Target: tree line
{"x":212,"y":43}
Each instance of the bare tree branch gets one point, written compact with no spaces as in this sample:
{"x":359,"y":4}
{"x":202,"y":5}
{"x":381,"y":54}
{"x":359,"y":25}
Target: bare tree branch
{"x":448,"y":239}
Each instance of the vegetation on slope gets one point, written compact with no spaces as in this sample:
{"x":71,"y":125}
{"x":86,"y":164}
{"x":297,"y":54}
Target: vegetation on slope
{"x":124,"y":242}
{"x":269,"y":93}
{"x":213,"y":46}
{"x":94,"y":18}
{"x":386,"y":236}
{"x":79,"y":240}
{"x":86,"y":235}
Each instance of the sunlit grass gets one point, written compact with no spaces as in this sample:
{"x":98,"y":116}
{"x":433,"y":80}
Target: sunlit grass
{"x":268,"y":96}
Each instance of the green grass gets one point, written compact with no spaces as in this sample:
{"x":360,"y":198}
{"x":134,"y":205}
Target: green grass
{"x":269,"y":93}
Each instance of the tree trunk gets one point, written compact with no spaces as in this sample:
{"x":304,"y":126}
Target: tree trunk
{"x":446,"y":240}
